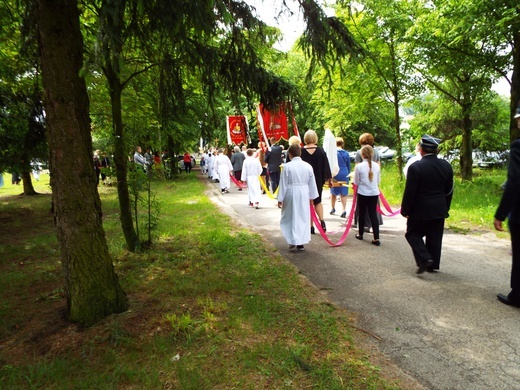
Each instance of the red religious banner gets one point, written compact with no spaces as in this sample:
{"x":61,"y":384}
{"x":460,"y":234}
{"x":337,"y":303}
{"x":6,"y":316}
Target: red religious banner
{"x":237,"y":130}
{"x":273,"y":123}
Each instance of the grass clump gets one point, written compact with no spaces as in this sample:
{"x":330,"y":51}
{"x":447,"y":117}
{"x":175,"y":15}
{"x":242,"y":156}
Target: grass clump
{"x":212,"y":306}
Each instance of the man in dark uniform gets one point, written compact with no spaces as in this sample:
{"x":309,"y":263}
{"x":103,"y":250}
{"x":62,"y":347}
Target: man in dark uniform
{"x":426,"y":203}
{"x":510,"y":208}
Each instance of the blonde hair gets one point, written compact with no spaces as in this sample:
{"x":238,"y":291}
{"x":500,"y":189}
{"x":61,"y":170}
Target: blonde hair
{"x":366,"y":153}
{"x":294,"y":140}
{"x":310,"y":137}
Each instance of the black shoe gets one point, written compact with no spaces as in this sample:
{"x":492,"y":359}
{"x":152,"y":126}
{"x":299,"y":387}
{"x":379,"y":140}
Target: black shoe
{"x":431,"y":269}
{"x":424,"y":266}
{"x":359,"y":236}
{"x":505,"y":299}
{"x":300,"y":248}
{"x":312,"y":230}
{"x":323,"y":226}
{"x":332,"y":212}
{"x":376,"y":242}
{"x":343,"y":214}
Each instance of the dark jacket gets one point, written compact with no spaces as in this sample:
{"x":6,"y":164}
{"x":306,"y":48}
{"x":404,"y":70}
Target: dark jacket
{"x":510,"y":203}
{"x":274,"y":158}
{"x":237,"y":160}
{"x":429,"y":189}
{"x":320,"y":165}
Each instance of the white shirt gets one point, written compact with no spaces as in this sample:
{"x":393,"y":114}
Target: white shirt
{"x":366,"y":186}
{"x":139,"y":159}
{"x":413,"y":159}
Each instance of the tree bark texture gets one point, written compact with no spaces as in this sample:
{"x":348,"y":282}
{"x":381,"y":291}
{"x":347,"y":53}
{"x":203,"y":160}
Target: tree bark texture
{"x":466,"y":159}
{"x":112,"y":22}
{"x":28,"y":188}
{"x":398,"y":140}
{"x":91,"y":284}
{"x":120,"y":160}
{"x":514,"y":131}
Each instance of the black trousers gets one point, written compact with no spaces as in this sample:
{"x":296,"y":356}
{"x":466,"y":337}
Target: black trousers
{"x":425,"y":238}
{"x":367,"y":205}
{"x":514,"y":229}
{"x":274,"y":178}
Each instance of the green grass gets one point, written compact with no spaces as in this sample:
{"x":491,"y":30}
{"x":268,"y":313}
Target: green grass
{"x":212,"y":306}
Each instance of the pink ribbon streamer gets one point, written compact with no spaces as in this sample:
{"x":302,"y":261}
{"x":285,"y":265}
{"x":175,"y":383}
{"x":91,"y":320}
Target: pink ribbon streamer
{"x":237,"y":183}
{"x":347,"y":225}
{"x":391,"y":213}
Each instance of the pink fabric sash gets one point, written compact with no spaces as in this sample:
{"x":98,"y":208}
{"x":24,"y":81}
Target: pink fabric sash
{"x":348,"y":224}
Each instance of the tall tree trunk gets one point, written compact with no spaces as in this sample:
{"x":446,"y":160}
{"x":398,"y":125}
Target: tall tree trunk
{"x":466,"y":159}
{"x":398,"y":141}
{"x":91,"y":284}
{"x":514,"y":131}
{"x":28,"y":188}
{"x":121,"y":163}
{"x":112,"y":23}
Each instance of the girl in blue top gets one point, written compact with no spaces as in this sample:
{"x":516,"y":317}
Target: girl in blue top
{"x":344,"y":170}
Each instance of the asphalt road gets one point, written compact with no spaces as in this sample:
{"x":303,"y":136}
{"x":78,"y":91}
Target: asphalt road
{"x":447,"y":329}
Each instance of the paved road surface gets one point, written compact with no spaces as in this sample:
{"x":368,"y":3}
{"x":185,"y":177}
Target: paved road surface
{"x":447,"y":329}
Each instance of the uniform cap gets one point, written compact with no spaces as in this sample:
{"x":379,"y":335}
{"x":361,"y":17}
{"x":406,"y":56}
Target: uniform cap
{"x":428,"y":141}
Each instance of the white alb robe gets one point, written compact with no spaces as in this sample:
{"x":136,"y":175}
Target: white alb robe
{"x":297,"y":189}
{"x":251,"y":171}
{"x":223,"y":167}
{"x":210,"y":162}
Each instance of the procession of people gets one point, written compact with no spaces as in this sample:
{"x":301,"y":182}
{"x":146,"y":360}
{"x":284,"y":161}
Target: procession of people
{"x":285,"y":176}
{"x":295,"y":179}
{"x":297,"y":187}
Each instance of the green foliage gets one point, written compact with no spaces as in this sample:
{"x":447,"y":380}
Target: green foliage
{"x":22,"y":133}
{"x":441,"y":116}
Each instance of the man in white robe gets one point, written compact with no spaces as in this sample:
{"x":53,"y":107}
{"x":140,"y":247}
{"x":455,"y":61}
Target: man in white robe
{"x":224,"y":168}
{"x":251,"y":170}
{"x":296,"y":194}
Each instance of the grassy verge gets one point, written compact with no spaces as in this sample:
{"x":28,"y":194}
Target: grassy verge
{"x":213,"y":306}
